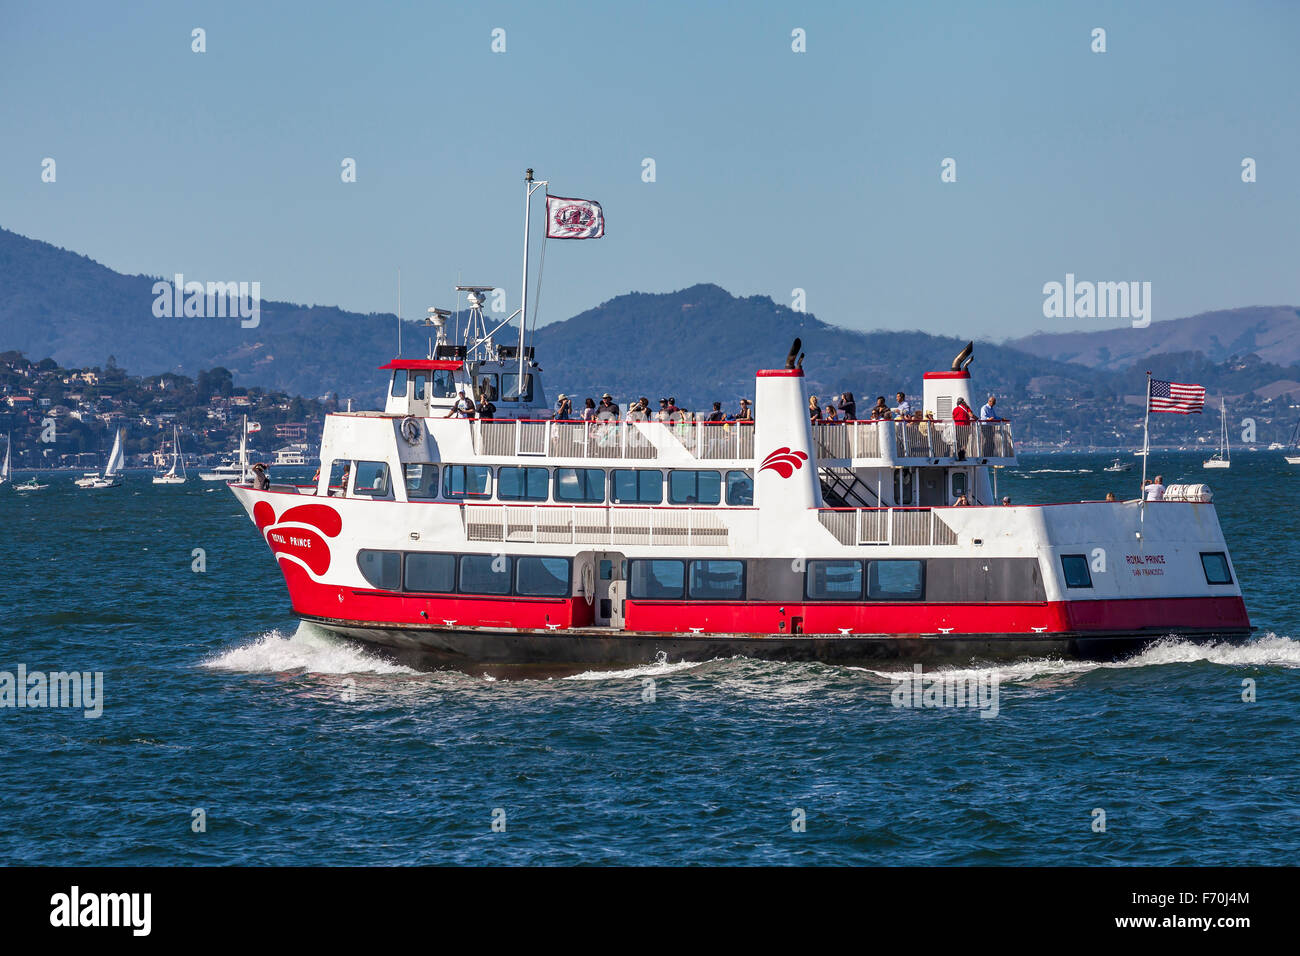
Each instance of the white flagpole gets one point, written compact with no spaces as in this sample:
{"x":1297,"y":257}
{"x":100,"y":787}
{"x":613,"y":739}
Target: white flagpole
{"x":1146,"y":449}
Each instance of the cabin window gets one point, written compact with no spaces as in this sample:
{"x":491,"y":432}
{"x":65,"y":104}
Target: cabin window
{"x":444,"y":383}
{"x":467,"y":481}
{"x":903,"y":486}
{"x":1216,"y":567}
{"x":382,"y":569}
{"x":510,"y":387}
{"x":542,"y":577}
{"x":639,"y":487}
{"x":834,"y":580}
{"x":485,"y":388}
{"x":420,"y":380}
{"x":1076,"y":571}
{"x":694,"y":487}
{"x":431,"y":572}
{"x":371,"y":479}
{"x":340,"y":470}
{"x":421,"y":481}
{"x":399,"y":383}
{"x":740,"y":488}
{"x":958,"y":483}
{"x":717,"y":580}
{"x":657,"y":580}
{"x":896,"y":580}
{"x":485,"y":574}
{"x":579,"y":484}
{"x":522,"y":484}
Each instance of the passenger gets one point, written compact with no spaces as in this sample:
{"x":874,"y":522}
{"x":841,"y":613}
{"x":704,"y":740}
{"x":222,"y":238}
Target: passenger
{"x":829,"y":412}
{"x":260,"y":481}
{"x":903,"y":409}
{"x":563,"y":408}
{"x":961,"y":502}
{"x":1110,"y":496}
{"x":961,"y":413}
{"x":880,"y":410}
{"x":1006,"y":499}
{"x":987,"y":413}
{"x":463,"y":408}
{"x":848,"y":407}
{"x":746,"y":413}
{"x":716,"y":415}
{"x":589,"y":410}
{"x":1156,"y":490}
{"x":674,"y":413}
{"x":662,"y":414}
{"x":639,"y":411}
{"x":607,"y":408}
{"x":814,"y":410}
{"x":486,"y":410}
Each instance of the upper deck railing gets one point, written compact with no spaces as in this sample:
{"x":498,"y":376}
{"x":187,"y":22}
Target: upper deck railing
{"x":887,"y":526}
{"x":734,"y":441}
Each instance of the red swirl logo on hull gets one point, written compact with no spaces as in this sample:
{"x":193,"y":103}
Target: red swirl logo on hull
{"x":784,"y":462}
{"x":307,"y":545}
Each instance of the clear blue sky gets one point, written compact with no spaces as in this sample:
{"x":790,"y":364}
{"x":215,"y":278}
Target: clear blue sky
{"x":775,"y":170}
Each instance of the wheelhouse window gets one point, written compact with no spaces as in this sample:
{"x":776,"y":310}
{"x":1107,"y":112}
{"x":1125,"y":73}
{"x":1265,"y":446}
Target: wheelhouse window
{"x":522,"y":484}
{"x":695,"y":487}
{"x":510,"y":387}
{"x":467,"y":481}
{"x":542,"y":577}
{"x":420,"y":392}
{"x":641,"y":486}
{"x":485,"y":388}
{"x":1215,"y":564}
{"x":1075,"y":567}
{"x":431,"y":572}
{"x":896,"y":580}
{"x":958,"y":483}
{"x":717,"y":580}
{"x":381,"y":569}
{"x":444,"y":383}
{"x":485,"y":573}
{"x":740,"y":488}
{"x":580,"y":484}
{"x":421,"y":481}
{"x":657,"y":580}
{"x":834,"y":580}
{"x":399,"y":383}
{"x":371,"y":479}
{"x":340,"y":472}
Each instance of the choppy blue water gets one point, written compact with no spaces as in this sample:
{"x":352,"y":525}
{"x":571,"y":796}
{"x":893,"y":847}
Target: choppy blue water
{"x":217,"y":699}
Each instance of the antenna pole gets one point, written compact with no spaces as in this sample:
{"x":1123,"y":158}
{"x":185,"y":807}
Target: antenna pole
{"x":1146,"y":453}
{"x":399,"y":313}
{"x":529,"y":187}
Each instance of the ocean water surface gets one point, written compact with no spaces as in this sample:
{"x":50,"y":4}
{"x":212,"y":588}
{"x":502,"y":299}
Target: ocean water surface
{"x":299,"y":748}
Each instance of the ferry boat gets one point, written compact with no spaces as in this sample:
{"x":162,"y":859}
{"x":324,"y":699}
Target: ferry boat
{"x":524,"y":540}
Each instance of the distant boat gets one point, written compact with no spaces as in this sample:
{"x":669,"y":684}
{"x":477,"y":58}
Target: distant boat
{"x":1294,"y":443}
{"x":1141,"y":452}
{"x":171,"y":477}
{"x":4,"y":466}
{"x":236,"y":470}
{"x":112,"y":477}
{"x":1118,"y":465}
{"x":1221,"y":458}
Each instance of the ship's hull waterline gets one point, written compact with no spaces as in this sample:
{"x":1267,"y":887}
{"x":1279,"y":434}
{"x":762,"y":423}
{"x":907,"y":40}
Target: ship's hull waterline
{"x":463,"y":648}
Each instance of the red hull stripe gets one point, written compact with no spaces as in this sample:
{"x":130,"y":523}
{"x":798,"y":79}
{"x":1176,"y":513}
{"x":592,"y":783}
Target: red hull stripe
{"x":314,"y":599}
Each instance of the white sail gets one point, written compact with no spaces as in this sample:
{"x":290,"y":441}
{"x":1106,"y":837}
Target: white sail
{"x":4,"y":469}
{"x":176,"y":452}
{"x":115,"y":458}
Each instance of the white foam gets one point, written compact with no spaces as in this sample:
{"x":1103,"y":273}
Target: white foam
{"x":308,"y":649}
{"x":659,"y":668}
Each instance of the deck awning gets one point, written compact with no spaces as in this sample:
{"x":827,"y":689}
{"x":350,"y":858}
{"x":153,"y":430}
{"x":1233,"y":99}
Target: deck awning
{"x":445,"y":365}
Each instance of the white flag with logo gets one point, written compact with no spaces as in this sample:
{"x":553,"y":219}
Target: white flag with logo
{"x":254,"y":427}
{"x":573,"y":218}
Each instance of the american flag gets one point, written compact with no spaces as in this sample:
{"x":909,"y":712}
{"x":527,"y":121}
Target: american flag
{"x":1176,"y":397}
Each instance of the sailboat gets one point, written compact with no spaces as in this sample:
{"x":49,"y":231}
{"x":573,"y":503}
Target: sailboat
{"x":170,"y":477}
{"x":1221,"y":458}
{"x":232,"y":470}
{"x":4,"y":466}
{"x":111,"y":478}
{"x":1294,"y":443}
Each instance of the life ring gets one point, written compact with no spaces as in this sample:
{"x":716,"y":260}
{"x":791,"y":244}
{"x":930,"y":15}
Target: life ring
{"x":589,"y":584}
{"x":410,"y":430}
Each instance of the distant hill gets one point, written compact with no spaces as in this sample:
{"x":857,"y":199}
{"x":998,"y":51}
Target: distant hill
{"x":1271,"y":332}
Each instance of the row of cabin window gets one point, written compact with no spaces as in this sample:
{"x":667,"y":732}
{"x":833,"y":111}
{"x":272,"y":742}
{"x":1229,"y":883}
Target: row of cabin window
{"x":487,"y":574}
{"x":442,"y":384}
{"x":634,"y":486}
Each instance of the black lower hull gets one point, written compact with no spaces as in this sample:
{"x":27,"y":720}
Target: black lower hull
{"x":536,"y":652}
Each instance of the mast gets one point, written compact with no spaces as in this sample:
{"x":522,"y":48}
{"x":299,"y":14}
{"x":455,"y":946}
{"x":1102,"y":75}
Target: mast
{"x":1146,"y":453}
{"x":529,"y":187}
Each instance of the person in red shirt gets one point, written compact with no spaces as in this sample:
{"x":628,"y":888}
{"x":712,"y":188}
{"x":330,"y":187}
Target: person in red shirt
{"x":961,"y":413}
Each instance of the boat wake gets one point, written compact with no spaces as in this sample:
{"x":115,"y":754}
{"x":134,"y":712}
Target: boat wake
{"x":307,"y":650}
